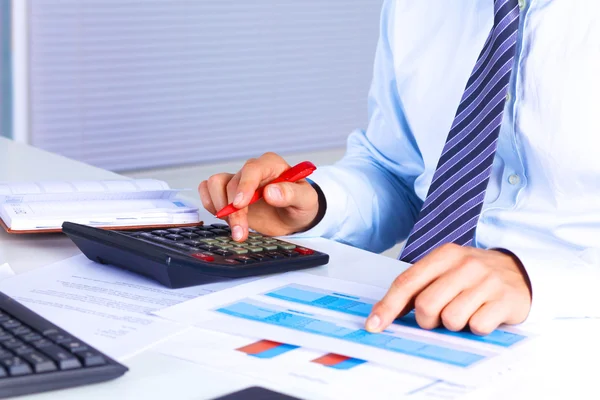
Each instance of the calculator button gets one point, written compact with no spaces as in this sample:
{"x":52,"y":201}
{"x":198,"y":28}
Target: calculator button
{"x":219,"y":226}
{"x":245,"y":260}
{"x":210,"y":241}
{"x":254,"y":243}
{"x":304,"y":251}
{"x":222,"y":252}
{"x":203,"y":257}
{"x":189,"y":235}
{"x":161,"y":233}
{"x":205,"y":234}
{"x":194,"y":243}
{"x":270,"y":246}
{"x":175,"y":237}
{"x":220,"y":232}
{"x":269,"y":240}
{"x":274,"y":254}
{"x":255,"y":249}
{"x":239,"y":250}
{"x":230,"y":261}
{"x":224,"y":239}
{"x":286,"y":246}
{"x":255,"y":235}
{"x":224,"y":245}
{"x":146,"y":235}
{"x":183,"y":246}
{"x":258,"y":257}
{"x":289,"y":253}
{"x":176,"y":230}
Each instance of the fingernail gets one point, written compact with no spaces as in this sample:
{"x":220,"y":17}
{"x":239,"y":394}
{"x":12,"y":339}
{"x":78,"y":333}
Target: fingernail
{"x":275,"y":193}
{"x":373,"y":322}
{"x":236,"y":232}
{"x":238,"y":199}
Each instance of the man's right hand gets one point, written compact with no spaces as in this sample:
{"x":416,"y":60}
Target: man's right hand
{"x":284,"y":209}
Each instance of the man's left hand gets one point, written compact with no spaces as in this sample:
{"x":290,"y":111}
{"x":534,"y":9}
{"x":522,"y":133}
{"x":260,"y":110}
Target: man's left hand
{"x":456,"y":286}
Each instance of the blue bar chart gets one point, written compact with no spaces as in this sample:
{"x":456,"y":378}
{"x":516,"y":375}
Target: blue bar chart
{"x":390,"y":341}
{"x":361,"y":307}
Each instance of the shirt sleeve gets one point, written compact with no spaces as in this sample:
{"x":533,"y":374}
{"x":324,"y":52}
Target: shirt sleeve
{"x":564,"y":284}
{"x":370,"y":200}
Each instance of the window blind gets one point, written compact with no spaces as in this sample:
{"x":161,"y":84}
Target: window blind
{"x":131,"y":84}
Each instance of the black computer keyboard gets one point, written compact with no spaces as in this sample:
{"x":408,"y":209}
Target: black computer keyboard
{"x":38,"y":356}
{"x":188,"y":256}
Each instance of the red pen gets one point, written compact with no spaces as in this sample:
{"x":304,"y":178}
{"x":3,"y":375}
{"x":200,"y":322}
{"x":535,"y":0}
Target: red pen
{"x":293,"y":174}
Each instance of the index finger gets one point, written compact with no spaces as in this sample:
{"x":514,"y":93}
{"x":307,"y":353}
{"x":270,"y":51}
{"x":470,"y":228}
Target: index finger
{"x":410,"y":283}
{"x":254,"y":174}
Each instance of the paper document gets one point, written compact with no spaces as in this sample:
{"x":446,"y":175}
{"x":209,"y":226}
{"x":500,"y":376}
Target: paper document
{"x":105,"y":306}
{"x":329,"y":315}
{"x":6,"y":271}
{"x":31,"y":206}
{"x":303,"y":370}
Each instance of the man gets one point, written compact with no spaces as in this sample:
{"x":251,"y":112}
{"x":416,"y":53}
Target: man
{"x":481,"y":149}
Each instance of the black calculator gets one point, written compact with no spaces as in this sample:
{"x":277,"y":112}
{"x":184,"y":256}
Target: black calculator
{"x":189,"y":256}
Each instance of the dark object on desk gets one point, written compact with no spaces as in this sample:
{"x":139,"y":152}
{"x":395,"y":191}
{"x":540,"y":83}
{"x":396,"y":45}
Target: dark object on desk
{"x":37,"y":356}
{"x":256,"y":393}
{"x":182,"y":257}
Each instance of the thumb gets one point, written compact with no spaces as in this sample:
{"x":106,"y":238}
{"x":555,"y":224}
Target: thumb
{"x":300,"y":195}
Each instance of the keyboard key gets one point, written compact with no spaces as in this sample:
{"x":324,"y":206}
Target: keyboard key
{"x":161,"y":233}
{"x":4,"y":317}
{"x":15,"y":366}
{"x":61,"y":357}
{"x":22,"y":349}
{"x":176,"y":230}
{"x":38,"y":344}
{"x":91,"y":358}
{"x":31,"y":337}
{"x":12,"y":343}
{"x":10,"y":323}
{"x":39,"y":362}
{"x":174,"y":237}
{"x":5,"y":336}
{"x":189,"y":235}
{"x":190,"y":229}
{"x":20,"y":331}
{"x":5,"y":353}
{"x":74,"y":345}
{"x":58,"y":337}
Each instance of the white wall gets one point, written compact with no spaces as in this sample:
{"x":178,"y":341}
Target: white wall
{"x":126,"y":84}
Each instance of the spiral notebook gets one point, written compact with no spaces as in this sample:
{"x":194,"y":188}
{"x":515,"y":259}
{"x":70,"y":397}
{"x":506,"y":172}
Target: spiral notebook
{"x":31,"y":207}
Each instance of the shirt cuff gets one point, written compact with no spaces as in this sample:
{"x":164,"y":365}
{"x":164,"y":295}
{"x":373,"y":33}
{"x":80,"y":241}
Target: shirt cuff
{"x":562,"y":285}
{"x":336,"y":200}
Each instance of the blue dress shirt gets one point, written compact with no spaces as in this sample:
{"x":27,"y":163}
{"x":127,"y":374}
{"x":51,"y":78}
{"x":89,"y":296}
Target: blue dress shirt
{"x":543,"y":198}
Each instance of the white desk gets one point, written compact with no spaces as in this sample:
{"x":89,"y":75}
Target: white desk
{"x":556,"y":372}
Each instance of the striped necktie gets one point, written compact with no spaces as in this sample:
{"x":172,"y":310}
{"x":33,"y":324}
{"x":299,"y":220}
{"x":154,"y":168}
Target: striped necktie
{"x":455,"y":198}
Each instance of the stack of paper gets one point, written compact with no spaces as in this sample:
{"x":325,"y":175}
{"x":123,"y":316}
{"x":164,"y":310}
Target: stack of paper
{"x":327,"y":316}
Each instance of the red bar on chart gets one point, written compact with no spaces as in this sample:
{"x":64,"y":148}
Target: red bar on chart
{"x":266,"y":349}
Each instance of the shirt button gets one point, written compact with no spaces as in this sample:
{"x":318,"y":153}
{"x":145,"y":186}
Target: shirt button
{"x":508,"y":97}
{"x":522,"y":4}
{"x":514,"y":179}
